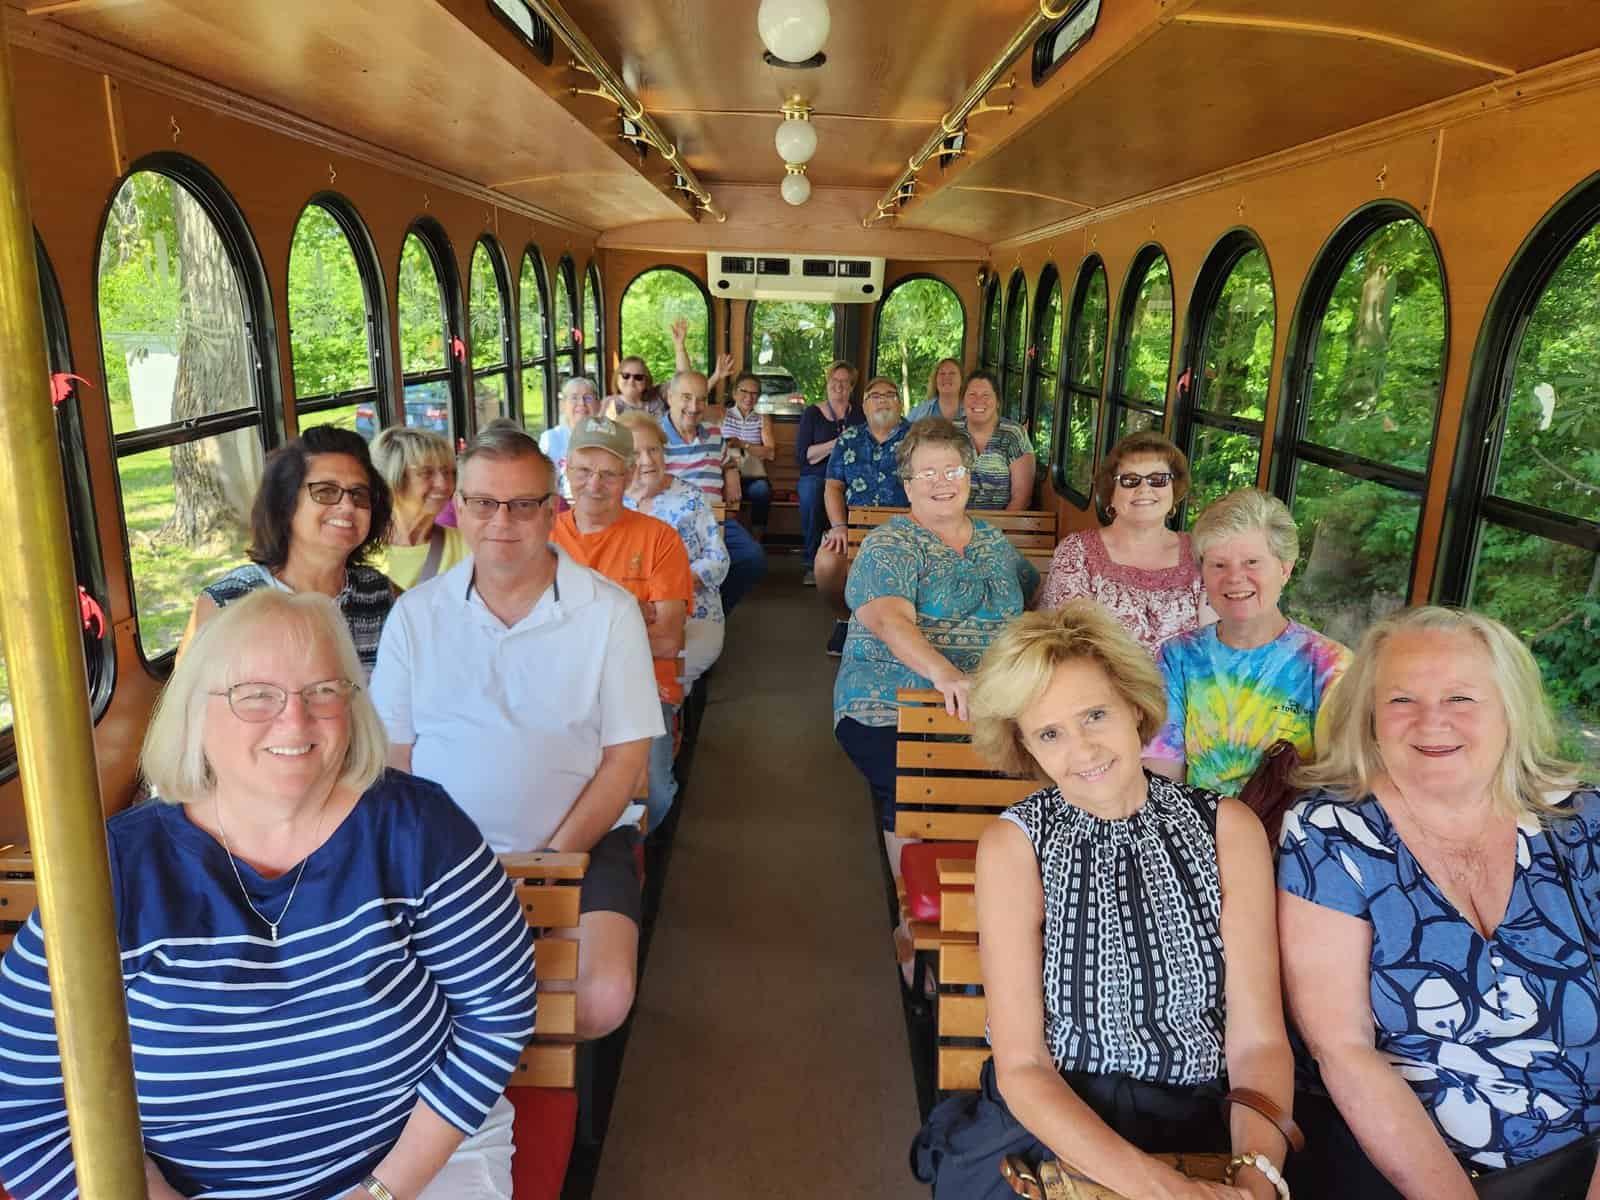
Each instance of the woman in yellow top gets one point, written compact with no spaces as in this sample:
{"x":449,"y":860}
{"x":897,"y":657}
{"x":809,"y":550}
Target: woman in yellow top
{"x":421,"y":473}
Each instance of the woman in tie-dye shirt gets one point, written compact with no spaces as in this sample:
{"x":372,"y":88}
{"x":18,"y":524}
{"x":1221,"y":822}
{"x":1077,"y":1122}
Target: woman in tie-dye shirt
{"x":1254,"y":677}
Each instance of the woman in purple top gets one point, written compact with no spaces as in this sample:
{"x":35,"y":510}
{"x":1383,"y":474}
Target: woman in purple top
{"x":1135,"y":565}
{"x":820,"y":427}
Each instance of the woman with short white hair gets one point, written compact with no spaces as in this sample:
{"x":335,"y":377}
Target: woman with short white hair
{"x":1255,"y":677}
{"x":329,"y":978}
{"x":579,"y":398}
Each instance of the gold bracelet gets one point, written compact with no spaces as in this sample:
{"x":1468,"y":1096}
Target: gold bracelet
{"x":376,"y":1189}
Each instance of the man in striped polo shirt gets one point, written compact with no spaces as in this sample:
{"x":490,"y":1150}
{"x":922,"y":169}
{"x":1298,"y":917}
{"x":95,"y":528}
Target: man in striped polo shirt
{"x":697,"y":455}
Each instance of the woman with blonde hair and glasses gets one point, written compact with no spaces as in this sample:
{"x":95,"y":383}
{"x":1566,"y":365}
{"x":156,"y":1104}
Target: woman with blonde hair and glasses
{"x":1439,"y":894}
{"x":944,"y":393}
{"x":1128,"y":949}
{"x":329,"y":978}
{"x":1134,"y":564}
{"x":420,"y":469}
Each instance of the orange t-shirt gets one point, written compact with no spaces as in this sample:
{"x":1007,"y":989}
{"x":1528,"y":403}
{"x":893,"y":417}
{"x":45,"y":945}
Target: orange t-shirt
{"x":643,"y":555}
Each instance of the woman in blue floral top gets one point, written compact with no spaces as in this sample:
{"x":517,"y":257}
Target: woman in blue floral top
{"x":1434,"y":959}
{"x":655,"y":492}
{"x":927,"y":594}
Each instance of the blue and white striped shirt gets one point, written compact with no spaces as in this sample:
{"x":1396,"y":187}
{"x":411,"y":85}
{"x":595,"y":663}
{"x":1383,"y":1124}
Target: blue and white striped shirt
{"x":403,"y":970}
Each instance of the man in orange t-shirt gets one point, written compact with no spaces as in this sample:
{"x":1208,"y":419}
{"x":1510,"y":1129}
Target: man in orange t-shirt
{"x":639,"y":553}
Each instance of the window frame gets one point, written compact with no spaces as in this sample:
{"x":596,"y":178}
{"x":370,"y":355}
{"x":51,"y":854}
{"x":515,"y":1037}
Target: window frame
{"x":592,"y":290}
{"x":877,"y":316}
{"x":1049,"y":278}
{"x":266,"y":412}
{"x":380,"y":394}
{"x":506,"y":368}
{"x":1214,"y":275}
{"x":711,"y":316}
{"x":452,"y":316}
{"x":989,"y":356}
{"x":566,"y":278}
{"x":1481,"y":439}
{"x":1014,"y":361}
{"x":545,"y":360}
{"x":1299,"y":361}
{"x":1087,"y":270}
{"x":1117,"y":362}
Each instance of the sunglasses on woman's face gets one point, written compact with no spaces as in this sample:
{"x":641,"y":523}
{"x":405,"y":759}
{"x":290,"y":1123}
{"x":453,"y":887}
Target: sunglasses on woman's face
{"x":1156,"y":479}
{"x":629,"y":375}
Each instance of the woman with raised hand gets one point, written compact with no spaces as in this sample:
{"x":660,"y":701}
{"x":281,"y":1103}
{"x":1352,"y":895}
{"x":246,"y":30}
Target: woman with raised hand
{"x":329,"y":978}
{"x":321,"y":513}
{"x":420,"y":469}
{"x":1439,"y":896}
{"x":1002,"y":473}
{"x":1126,"y":932}
{"x":1135,"y":565}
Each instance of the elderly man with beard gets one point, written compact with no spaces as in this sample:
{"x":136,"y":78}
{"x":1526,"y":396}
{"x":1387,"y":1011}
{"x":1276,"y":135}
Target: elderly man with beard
{"x":861,"y":471}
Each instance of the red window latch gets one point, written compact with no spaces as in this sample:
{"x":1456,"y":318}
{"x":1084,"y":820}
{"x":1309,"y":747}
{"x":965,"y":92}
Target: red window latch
{"x":93,"y":616}
{"x":61,"y":387}
{"x":458,"y":347}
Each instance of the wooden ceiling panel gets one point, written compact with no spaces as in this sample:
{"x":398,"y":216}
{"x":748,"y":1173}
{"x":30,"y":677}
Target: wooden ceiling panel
{"x":598,"y":199}
{"x":1194,"y":100}
{"x":1515,"y":34}
{"x":407,"y":77}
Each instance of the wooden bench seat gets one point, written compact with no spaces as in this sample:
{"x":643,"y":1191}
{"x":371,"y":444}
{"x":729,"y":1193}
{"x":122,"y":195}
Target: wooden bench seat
{"x":1032,"y":531}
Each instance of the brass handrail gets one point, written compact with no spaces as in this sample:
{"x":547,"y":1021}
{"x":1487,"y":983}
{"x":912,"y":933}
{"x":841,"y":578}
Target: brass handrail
{"x":590,"y":60}
{"x":53,"y":730}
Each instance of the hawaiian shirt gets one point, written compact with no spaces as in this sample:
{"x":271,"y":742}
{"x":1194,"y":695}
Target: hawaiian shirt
{"x":867,"y":467}
{"x":962,"y":601}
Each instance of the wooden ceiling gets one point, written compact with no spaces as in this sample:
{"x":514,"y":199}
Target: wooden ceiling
{"x":1167,"y":91}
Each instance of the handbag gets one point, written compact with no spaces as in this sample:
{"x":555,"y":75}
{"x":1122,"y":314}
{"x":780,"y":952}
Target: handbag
{"x":1270,"y":791}
{"x":1561,"y":1174}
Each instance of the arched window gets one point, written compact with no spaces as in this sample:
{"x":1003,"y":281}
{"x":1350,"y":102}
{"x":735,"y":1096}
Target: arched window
{"x":490,"y":316}
{"x":794,"y":338}
{"x":1014,"y":367}
{"x":1366,"y":371}
{"x":919,"y":322}
{"x":429,"y":348}
{"x":534,"y":332}
{"x":990,"y":333}
{"x":1144,"y":348}
{"x":335,"y":330}
{"x":1083,"y":375}
{"x":86,"y":561}
{"x":564,"y":328}
{"x":186,"y":342}
{"x":1223,"y":391}
{"x":1044,"y":391}
{"x":651,"y":302}
{"x":594,"y":327}
{"x":1524,"y":538}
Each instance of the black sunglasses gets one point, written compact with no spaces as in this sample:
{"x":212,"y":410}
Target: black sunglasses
{"x":1156,"y":479}
{"x":631,"y":375}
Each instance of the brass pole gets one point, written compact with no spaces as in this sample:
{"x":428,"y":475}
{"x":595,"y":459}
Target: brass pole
{"x":54,"y":734}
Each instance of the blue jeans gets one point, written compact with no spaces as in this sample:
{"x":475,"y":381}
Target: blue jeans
{"x":747,"y":563}
{"x":663,"y":784}
{"x":813,"y":514}
{"x":759,"y":493}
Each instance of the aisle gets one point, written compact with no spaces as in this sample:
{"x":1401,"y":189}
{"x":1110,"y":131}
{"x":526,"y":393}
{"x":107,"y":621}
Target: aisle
{"x":768,"y":1055}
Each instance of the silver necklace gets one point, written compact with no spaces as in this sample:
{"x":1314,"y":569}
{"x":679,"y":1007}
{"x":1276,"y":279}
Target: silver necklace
{"x":293,"y":888}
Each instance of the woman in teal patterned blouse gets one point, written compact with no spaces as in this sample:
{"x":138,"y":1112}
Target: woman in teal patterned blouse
{"x":928,"y":592}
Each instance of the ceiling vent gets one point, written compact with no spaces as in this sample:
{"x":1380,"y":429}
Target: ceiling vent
{"x":833,"y":279}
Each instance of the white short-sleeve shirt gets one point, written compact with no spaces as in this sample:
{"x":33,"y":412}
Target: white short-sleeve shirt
{"x":511,"y":721}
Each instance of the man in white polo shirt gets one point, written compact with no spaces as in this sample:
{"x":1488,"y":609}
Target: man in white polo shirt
{"x":522,"y":683}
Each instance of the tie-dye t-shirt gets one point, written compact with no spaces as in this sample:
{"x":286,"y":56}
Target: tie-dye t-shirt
{"x":1226,"y":706}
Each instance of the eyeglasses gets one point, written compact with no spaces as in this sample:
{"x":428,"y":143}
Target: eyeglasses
{"x":586,"y":397}
{"x":259,"y":703}
{"x":883,"y":396}
{"x":326,"y":492}
{"x":1156,"y":479}
{"x":929,"y":474}
{"x":631,"y":376}
{"x":581,"y":476}
{"x":523,"y":508}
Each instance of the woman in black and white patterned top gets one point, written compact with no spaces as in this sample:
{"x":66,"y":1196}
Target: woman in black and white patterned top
{"x":1126,"y":931}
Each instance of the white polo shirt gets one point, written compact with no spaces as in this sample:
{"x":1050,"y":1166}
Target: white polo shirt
{"x":511,"y":721}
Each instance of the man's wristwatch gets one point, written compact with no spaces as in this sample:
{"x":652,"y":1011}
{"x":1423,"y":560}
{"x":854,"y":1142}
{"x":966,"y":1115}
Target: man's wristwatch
{"x":374,"y":1187}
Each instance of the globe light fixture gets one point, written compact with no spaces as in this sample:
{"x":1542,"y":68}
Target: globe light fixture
{"x":794,"y":30}
{"x":796,"y":188}
{"x":796,"y":141}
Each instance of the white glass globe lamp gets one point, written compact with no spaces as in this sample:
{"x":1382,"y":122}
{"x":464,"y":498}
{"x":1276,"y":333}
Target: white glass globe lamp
{"x":796,"y":188}
{"x":793,"y":30}
{"x":796,"y":141}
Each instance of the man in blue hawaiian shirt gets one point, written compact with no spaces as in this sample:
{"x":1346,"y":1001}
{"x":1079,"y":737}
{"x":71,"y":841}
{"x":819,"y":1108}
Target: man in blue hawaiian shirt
{"x":862,"y":470}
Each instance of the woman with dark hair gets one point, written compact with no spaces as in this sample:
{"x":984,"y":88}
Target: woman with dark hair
{"x":322,"y":510}
{"x":1002,"y":476}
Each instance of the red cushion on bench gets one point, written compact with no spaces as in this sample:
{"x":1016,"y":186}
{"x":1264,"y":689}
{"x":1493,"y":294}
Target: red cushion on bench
{"x":543,"y":1130}
{"x":919,"y":867}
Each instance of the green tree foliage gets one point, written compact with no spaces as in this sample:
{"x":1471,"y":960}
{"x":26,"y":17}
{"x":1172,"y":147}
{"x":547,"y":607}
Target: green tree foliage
{"x":1147,"y":342}
{"x":989,"y":344}
{"x":591,"y":328}
{"x":920,"y":323}
{"x":794,"y":336}
{"x":1086,"y":370}
{"x":1014,"y":354}
{"x":422,"y":321}
{"x":651,"y":303}
{"x":139,"y":282}
{"x":1046,"y":351}
{"x":327,"y":309}
{"x":535,"y":349}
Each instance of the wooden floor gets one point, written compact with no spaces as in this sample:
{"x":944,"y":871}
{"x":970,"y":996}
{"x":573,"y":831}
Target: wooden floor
{"x":768,"y":1053}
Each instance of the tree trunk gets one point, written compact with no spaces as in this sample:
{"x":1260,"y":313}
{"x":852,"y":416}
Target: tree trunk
{"x":213,"y":480}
